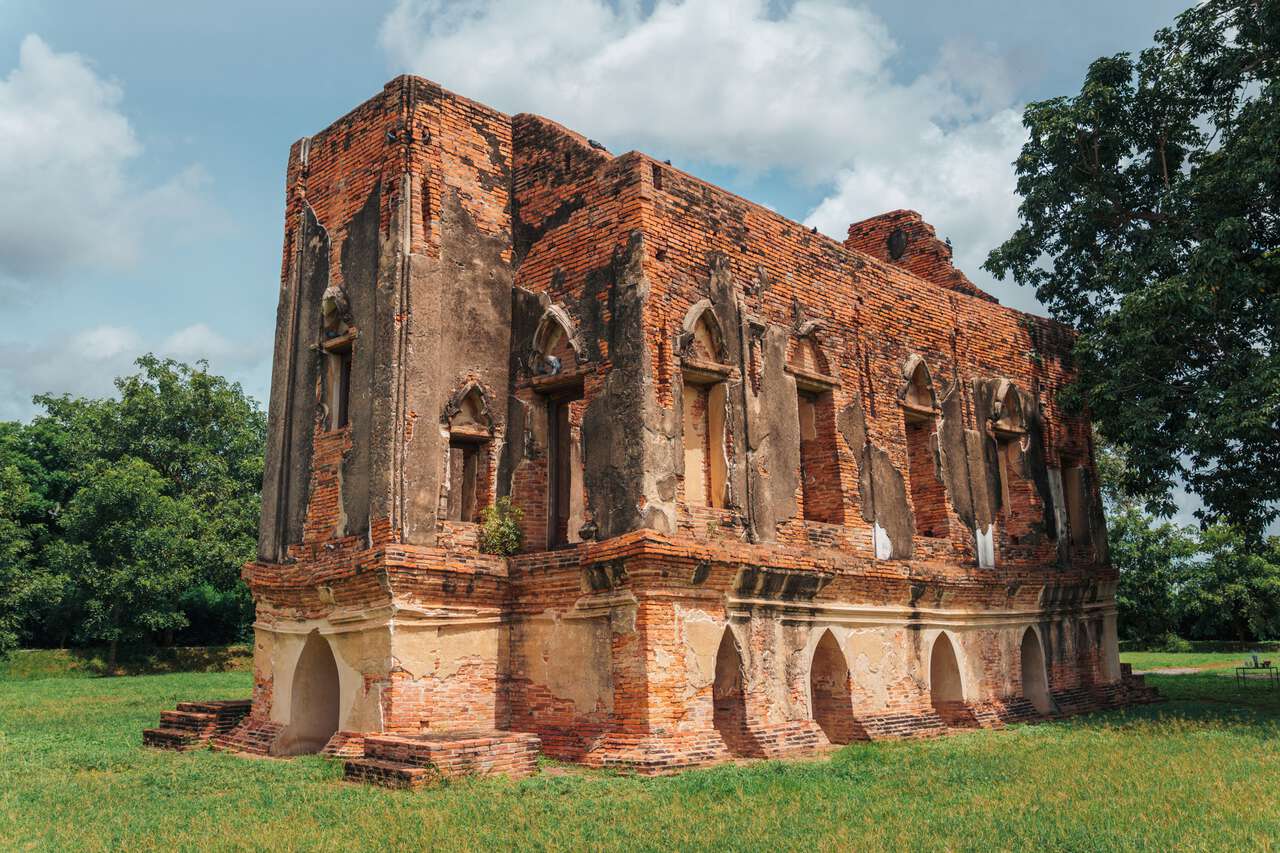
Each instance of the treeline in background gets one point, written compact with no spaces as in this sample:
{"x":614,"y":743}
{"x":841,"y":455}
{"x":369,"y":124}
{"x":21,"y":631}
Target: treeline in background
{"x":124,"y":522}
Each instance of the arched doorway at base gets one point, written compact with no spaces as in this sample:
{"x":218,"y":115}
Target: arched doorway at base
{"x":729,"y":699}
{"x":314,"y":700}
{"x":1035,"y":682}
{"x":830,"y":690}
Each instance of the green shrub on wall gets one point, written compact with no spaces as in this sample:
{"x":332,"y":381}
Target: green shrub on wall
{"x":500,"y":531}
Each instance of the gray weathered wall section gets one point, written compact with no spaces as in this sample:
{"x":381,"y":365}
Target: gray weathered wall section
{"x":773,"y":458}
{"x":630,"y":446}
{"x":291,"y":419}
{"x":359,"y":259}
{"x":881,"y":486}
{"x":459,"y":316}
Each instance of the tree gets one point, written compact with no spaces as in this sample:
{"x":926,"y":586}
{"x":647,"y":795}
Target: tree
{"x":1234,"y":591}
{"x":1154,"y":559}
{"x":186,"y":446}
{"x":1149,"y":220}
{"x":127,"y":548}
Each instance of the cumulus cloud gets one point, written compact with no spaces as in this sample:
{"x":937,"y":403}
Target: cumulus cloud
{"x":807,"y":90}
{"x":86,"y":362}
{"x":69,"y":200}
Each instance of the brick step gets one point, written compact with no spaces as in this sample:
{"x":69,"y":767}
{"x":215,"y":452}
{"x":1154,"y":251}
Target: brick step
{"x":190,"y":721}
{"x":179,"y":740}
{"x":196,"y":722}
{"x":220,"y":707}
{"x":389,"y":774}
{"x":251,"y":737}
{"x":345,"y":745}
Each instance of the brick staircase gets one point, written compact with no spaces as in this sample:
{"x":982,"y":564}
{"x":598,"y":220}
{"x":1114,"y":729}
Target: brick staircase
{"x":419,"y":761}
{"x":252,"y":737}
{"x":195,"y":724}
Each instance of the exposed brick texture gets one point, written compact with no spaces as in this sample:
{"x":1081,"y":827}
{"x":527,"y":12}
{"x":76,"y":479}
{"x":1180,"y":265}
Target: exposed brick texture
{"x":762,"y":473}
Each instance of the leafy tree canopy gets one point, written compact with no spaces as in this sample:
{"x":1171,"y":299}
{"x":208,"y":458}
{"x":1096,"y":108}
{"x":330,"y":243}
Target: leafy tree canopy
{"x":1150,"y":222}
{"x":128,"y":519}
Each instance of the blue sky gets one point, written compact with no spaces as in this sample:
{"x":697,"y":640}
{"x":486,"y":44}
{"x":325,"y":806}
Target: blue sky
{"x":142,"y":144}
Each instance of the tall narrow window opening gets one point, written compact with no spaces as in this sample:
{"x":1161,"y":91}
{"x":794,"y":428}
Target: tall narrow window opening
{"x":336,"y":343}
{"x":705,"y":465}
{"x":560,"y":466}
{"x":920,"y":417}
{"x":1074,"y":496}
{"x":703,"y":401}
{"x":1009,"y":429}
{"x":470,"y":433}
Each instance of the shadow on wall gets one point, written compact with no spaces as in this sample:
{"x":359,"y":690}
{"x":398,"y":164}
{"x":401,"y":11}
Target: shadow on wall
{"x":314,"y":700}
{"x":830,"y":688}
{"x":729,"y":697}
{"x":1035,"y":682}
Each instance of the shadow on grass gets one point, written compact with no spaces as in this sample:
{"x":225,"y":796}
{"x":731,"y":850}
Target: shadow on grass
{"x":28,"y":664}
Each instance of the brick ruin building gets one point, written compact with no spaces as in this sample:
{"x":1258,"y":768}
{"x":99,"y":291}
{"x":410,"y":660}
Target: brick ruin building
{"x":777,"y":491}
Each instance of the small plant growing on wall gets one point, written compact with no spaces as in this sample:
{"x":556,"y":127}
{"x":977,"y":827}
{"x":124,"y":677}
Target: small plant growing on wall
{"x":500,"y":531}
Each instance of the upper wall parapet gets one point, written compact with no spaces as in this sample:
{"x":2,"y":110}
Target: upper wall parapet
{"x":904,"y":239}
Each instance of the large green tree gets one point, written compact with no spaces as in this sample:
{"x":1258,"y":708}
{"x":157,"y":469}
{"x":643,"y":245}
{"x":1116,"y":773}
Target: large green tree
{"x":128,"y":546}
{"x":1150,"y":221}
{"x":158,"y":488}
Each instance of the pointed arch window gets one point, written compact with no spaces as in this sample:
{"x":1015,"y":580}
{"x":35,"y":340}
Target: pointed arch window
{"x":704,"y":370}
{"x":920,"y":424}
{"x":470,"y":435}
{"x":821,"y":496}
{"x":337,"y":337}
{"x":1009,"y":426}
{"x":559,"y":385}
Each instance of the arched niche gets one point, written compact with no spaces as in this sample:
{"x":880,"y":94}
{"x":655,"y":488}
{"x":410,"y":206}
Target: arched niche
{"x":946,"y":689}
{"x":1008,"y":415}
{"x":830,"y":690}
{"x":314,"y":700}
{"x":555,"y":344}
{"x":807,"y":356}
{"x":1035,"y":679}
{"x":701,"y":338}
{"x":729,"y":707}
{"x":917,"y":394}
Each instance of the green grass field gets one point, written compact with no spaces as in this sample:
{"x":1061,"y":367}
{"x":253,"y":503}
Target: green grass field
{"x":1199,"y":772}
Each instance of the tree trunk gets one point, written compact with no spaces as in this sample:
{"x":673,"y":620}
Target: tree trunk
{"x":112,"y":648}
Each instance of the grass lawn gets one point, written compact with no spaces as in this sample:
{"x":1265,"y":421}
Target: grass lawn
{"x":1199,"y":772}
{"x":1200,"y":660}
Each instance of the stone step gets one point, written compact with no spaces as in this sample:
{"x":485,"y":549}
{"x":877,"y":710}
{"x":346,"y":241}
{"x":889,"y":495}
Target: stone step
{"x":221,"y":707}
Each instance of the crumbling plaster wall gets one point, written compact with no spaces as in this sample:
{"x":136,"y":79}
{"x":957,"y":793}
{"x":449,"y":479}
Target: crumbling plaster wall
{"x":363,"y":658}
{"x":771,"y":277}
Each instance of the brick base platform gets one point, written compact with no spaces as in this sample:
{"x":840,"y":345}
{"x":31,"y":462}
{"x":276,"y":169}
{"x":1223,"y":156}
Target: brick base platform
{"x":418,"y":761}
{"x":195,"y":724}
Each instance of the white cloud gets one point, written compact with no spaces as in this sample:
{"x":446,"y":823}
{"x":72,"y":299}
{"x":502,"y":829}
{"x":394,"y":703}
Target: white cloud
{"x":69,"y":201}
{"x":808,"y":90}
{"x":86,"y":363}
{"x":196,"y":342}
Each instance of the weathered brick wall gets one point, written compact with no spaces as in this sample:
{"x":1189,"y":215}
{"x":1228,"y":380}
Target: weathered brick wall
{"x":461,"y":233}
{"x":871,"y":316}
